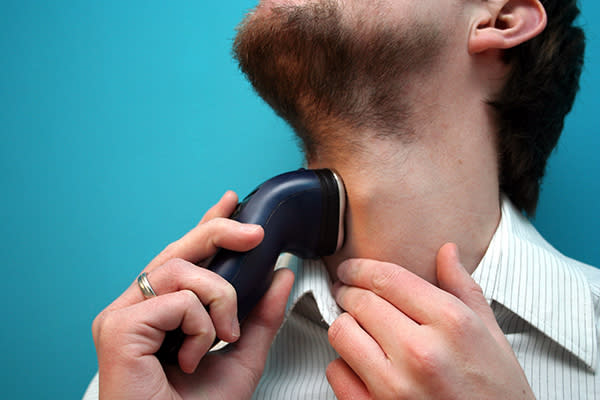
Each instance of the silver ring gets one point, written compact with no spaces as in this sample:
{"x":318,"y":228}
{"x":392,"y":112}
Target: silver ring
{"x":145,"y":286}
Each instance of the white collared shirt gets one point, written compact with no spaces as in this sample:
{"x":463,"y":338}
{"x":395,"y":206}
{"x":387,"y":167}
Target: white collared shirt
{"x":547,"y":305}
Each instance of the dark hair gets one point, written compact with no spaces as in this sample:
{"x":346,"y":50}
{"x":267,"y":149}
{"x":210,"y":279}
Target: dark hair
{"x":532,"y":106}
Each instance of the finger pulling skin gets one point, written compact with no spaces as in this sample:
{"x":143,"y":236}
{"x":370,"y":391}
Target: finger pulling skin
{"x":418,"y":299}
{"x":384,"y":322}
{"x":456,"y":347}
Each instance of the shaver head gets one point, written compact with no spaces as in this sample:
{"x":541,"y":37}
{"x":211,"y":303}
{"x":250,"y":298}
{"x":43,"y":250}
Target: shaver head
{"x":334,"y":206}
{"x":342,"y":210}
{"x":301,"y":212}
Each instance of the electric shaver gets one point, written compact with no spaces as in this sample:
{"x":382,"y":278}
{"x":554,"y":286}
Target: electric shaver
{"x":301,"y":212}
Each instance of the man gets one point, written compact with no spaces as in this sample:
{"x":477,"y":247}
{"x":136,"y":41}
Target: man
{"x":439,"y":116}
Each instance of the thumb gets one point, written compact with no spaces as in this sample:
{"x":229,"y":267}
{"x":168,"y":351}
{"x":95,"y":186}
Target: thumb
{"x":262,"y":324}
{"x":454,"y":279}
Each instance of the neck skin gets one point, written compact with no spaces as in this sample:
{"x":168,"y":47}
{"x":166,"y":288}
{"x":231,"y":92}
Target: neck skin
{"x":405,"y":199}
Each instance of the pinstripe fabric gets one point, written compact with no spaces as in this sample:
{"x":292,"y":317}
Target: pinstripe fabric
{"x":547,"y":305}
{"x":297,"y":360}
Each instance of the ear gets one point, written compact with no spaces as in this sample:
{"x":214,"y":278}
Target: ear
{"x":509,"y":24}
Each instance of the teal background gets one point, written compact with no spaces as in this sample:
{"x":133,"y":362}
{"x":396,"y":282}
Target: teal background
{"x":121,"y":122}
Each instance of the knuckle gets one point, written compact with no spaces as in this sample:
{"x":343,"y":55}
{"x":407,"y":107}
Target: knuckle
{"x":459,"y":320}
{"x":175,"y":266}
{"x":427,"y":359}
{"x":336,"y":330}
{"x":216,"y":229}
{"x":474,"y":290}
{"x":104,"y":326}
{"x":97,"y":325}
{"x":217,"y":225}
{"x":171,"y":249}
{"x":384,"y":278}
{"x":359,"y":301}
{"x":207,"y":331}
{"x":188,"y":298}
{"x":224,"y":292}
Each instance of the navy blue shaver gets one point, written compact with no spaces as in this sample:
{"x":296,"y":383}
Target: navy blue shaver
{"x":301,"y":212}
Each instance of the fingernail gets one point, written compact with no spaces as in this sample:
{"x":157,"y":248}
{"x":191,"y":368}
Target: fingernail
{"x":235,"y":328}
{"x":455,"y":251}
{"x":250,"y":228}
{"x":346,"y":270}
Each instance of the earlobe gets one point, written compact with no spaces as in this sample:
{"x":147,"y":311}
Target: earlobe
{"x":512,"y":23}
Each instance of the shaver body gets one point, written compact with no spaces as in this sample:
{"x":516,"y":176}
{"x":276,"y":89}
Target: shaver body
{"x":301,"y":212}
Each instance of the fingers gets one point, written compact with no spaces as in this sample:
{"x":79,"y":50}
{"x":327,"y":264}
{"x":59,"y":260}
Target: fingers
{"x":171,"y":273}
{"x":368,"y":308}
{"x":213,"y":231}
{"x":210,"y":289}
{"x":432,"y":338}
{"x":345,"y":383}
{"x":454,"y":279}
{"x":417,"y":298}
{"x":205,"y":239}
{"x":358,"y":349}
{"x":264,"y":321}
{"x":136,"y":332}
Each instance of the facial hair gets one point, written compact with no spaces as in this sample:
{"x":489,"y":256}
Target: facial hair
{"x":328,"y":75}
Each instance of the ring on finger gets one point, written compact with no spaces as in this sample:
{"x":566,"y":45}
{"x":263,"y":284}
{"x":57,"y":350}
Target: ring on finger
{"x":145,"y":286}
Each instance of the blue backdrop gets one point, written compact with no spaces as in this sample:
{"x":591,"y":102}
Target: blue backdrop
{"x":121,"y":122}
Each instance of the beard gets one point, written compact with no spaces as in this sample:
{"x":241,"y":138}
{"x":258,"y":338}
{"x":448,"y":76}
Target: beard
{"x":327,"y":75}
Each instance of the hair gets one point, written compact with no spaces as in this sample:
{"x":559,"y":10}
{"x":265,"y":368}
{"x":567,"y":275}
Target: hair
{"x":324,"y":78}
{"x":532,"y":105}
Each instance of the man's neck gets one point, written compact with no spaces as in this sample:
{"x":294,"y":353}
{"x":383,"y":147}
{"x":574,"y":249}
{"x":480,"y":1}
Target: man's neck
{"x":405,"y":200}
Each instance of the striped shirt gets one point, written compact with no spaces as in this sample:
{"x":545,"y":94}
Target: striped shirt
{"x":546,"y":304}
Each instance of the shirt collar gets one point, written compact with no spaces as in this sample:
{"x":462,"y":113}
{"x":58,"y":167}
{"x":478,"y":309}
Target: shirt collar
{"x":312,"y":280}
{"x":525,"y":274}
{"x":519,"y":270}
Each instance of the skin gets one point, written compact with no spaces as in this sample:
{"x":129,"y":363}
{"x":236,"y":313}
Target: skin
{"x":129,"y":331}
{"x":434,"y":342}
{"x":411,"y":205}
{"x":406,"y":201}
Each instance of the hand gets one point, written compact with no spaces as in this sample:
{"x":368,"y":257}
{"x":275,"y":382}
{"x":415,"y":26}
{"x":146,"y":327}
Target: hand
{"x":404,"y":338}
{"x":128,"y":333}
